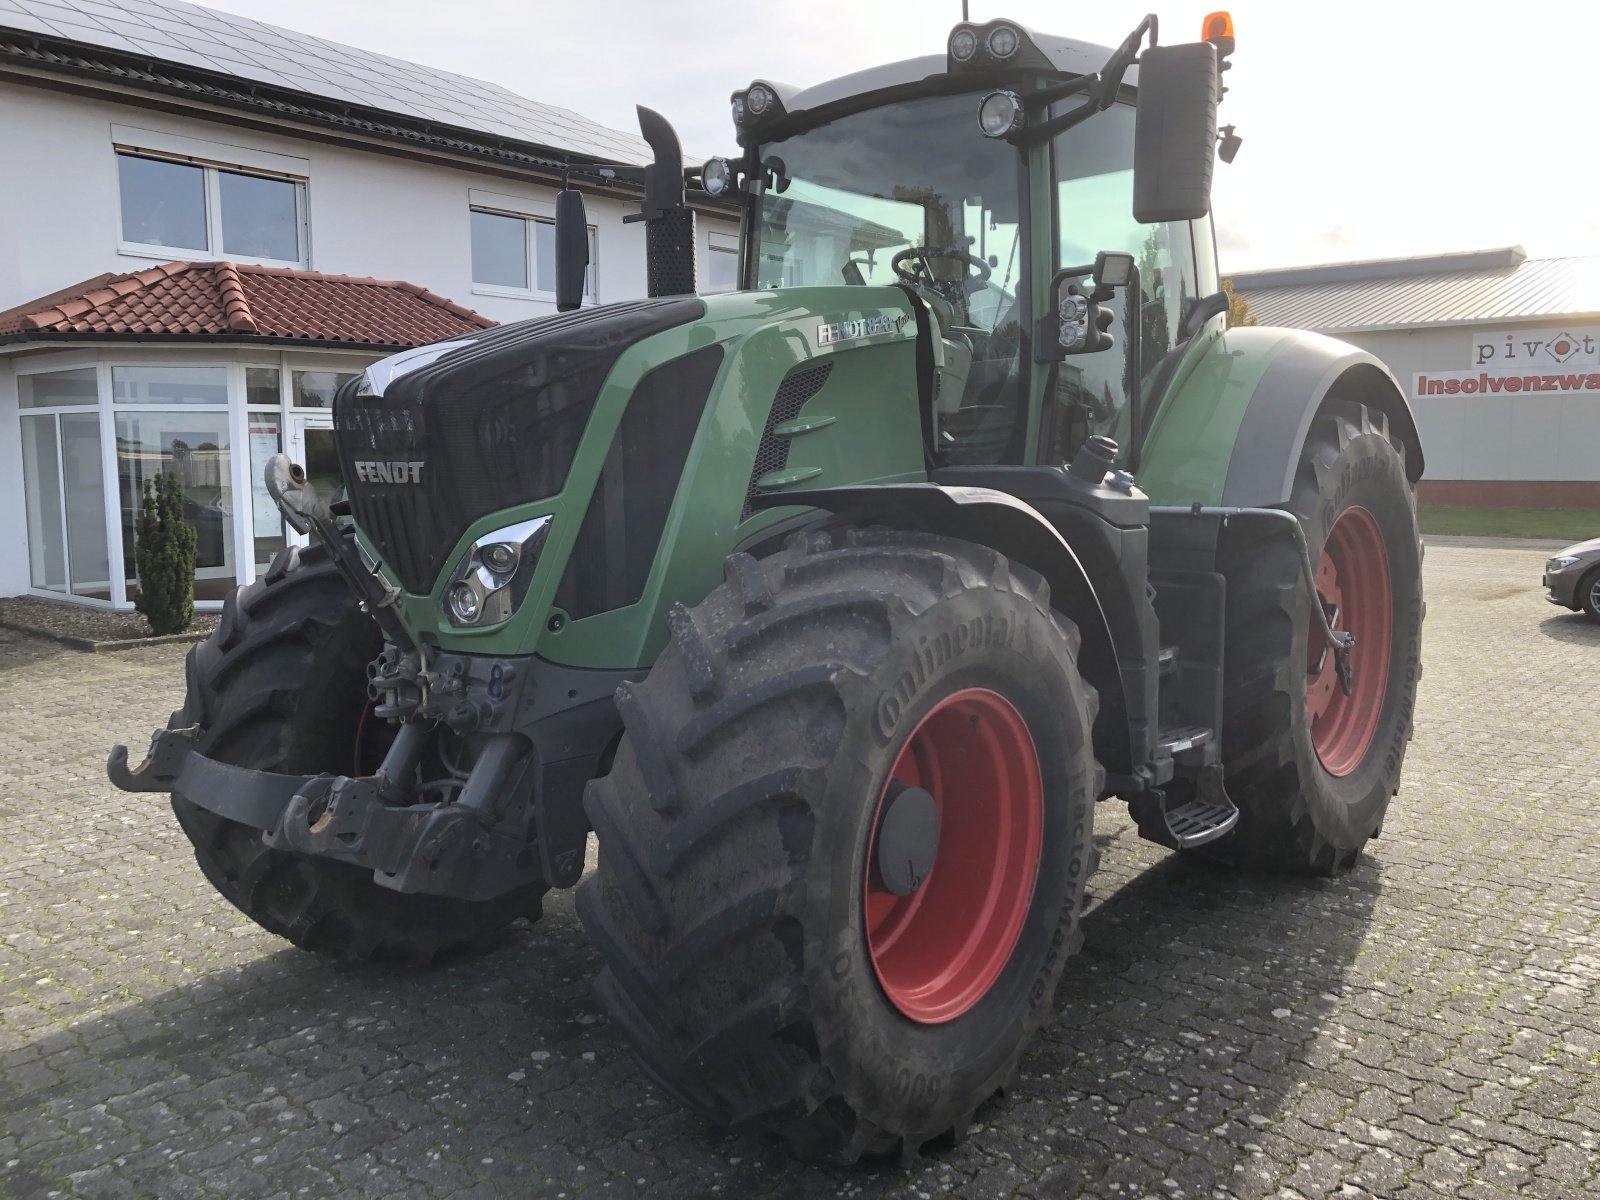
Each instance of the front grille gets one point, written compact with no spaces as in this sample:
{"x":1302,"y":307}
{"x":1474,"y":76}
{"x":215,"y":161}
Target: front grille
{"x":494,"y":424}
{"x":798,"y":386}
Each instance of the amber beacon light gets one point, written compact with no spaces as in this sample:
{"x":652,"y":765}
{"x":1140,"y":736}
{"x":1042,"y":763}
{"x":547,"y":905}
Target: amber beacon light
{"x":1216,"y":27}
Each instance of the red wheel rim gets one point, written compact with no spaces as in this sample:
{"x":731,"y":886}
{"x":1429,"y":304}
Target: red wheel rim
{"x":938,"y":951}
{"x":1353,"y":584}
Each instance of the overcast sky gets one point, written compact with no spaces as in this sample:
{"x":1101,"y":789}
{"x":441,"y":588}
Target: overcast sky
{"x":1371,"y":129}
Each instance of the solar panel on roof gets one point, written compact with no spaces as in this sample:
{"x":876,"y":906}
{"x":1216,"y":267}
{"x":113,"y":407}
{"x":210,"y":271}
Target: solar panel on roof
{"x":217,"y":41}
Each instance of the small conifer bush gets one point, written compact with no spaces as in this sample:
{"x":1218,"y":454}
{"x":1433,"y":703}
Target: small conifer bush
{"x":164,"y":551}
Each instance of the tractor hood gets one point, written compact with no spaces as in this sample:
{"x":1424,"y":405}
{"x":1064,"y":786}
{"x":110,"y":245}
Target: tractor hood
{"x":635,"y":440}
{"x":432,"y":439}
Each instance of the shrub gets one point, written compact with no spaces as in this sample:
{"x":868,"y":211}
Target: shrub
{"x":164,"y":548}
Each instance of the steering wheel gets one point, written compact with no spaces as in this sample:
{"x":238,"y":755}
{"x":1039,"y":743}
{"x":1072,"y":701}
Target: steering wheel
{"x":920,"y":274}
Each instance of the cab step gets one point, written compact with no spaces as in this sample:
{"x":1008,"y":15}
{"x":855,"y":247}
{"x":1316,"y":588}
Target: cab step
{"x":1207,"y":817}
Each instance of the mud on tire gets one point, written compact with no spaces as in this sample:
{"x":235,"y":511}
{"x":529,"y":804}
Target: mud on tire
{"x":1294,"y":814}
{"x":734,"y":825}
{"x":281,"y":686}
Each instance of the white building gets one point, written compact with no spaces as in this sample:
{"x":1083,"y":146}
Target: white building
{"x":1499,"y":354}
{"x":143,"y":133}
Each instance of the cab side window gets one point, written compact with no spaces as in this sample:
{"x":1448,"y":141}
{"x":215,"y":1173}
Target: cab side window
{"x":1093,"y":164}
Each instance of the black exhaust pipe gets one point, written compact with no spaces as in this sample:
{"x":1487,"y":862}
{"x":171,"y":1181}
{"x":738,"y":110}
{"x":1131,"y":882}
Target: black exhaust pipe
{"x":669,"y":222}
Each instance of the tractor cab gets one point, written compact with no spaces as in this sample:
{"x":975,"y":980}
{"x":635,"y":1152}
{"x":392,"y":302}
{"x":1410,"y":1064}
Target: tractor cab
{"x":985,"y":182}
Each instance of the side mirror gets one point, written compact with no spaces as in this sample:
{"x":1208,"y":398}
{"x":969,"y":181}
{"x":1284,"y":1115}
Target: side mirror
{"x":572,"y":249}
{"x":1175,"y":133}
{"x":1078,"y":325}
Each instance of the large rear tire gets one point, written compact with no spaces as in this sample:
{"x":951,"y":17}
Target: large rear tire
{"x":1310,"y":767}
{"x":281,"y":686}
{"x":757,"y":956}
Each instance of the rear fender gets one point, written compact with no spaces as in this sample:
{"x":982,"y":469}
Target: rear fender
{"x":1232,"y":430}
{"x":1017,"y":530}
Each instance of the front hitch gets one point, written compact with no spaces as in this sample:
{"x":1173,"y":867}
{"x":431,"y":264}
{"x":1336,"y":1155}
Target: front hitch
{"x":444,"y":849}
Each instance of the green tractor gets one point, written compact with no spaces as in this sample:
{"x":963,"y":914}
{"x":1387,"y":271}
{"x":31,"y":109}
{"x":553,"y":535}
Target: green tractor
{"x":832,"y":606}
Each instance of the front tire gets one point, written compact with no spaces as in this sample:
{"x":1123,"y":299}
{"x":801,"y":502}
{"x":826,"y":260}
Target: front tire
{"x":1311,"y":768}
{"x":281,"y":686}
{"x":756,"y":956}
{"x":1589,"y":594}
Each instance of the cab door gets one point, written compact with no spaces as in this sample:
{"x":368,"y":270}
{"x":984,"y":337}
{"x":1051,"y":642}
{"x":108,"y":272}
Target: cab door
{"x":1091,"y":168}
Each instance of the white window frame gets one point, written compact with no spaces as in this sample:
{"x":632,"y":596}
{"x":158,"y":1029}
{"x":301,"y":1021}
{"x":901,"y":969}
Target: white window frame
{"x":718,"y":242}
{"x":531,"y":212}
{"x":213,"y":158}
{"x":237,"y":416}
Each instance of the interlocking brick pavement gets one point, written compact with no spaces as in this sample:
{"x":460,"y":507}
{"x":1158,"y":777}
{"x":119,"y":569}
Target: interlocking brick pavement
{"x":1428,"y":1025}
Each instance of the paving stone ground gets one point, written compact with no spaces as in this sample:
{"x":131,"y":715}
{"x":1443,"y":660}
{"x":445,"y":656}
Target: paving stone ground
{"x":1428,"y":1025}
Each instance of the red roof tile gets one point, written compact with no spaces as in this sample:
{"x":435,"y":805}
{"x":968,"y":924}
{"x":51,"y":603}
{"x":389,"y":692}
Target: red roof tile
{"x":224,"y":300}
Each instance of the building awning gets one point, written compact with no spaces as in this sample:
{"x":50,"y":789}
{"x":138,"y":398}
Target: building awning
{"x":222,"y":301}
{"x":1473,"y":287}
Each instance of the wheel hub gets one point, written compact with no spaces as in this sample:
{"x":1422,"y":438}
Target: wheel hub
{"x":908,"y":837}
{"x":1352,"y":581}
{"x":954,"y":856}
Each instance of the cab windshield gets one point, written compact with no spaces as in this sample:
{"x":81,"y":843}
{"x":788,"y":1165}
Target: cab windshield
{"x":913,"y":193}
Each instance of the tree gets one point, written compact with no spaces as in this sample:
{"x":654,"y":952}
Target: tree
{"x":164,"y":553}
{"x":1238,"y":307}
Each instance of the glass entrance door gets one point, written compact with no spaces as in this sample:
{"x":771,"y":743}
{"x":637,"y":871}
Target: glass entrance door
{"x":311,"y":444}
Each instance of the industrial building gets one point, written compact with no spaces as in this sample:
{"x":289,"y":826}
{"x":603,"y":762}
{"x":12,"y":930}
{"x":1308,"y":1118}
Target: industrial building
{"x":1498,"y":353}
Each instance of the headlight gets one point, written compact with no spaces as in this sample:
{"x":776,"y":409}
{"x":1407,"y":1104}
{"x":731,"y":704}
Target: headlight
{"x":463,"y":602}
{"x":999,"y":114}
{"x":716,"y":176}
{"x":1003,"y":41}
{"x":760,"y":98}
{"x":492,"y":578}
{"x":963,"y":44}
{"x":500,"y":557}
{"x":1561,"y":563}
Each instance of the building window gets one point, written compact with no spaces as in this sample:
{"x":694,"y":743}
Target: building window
{"x":722,"y":261}
{"x":63,"y":488}
{"x":315,"y":389}
{"x":161,"y":429}
{"x":208,"y":211}
{"x":515,"y":253}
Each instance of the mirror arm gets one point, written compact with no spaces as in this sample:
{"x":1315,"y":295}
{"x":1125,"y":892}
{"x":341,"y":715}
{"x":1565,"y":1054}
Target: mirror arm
{"x":1100,"y":88}
{"x":1032,"y":135}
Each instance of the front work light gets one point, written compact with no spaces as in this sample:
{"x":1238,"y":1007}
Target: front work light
{"x":716,"y":176}
{"x":492,"y":577}
{"x":759,"y":98}
{"x":1000,"y":113}
{"x":1003,"y":41}
{"x":963,"y":44}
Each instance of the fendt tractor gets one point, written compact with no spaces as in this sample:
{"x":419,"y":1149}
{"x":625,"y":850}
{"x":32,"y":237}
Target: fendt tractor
{"x":831,"y":606}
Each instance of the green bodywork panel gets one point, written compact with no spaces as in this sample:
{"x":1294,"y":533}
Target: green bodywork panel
{"x":1191,"y":440}
{"x":863,"y":426}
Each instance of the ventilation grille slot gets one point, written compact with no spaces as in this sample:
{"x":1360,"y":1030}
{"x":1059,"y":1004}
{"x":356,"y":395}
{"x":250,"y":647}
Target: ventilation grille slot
{"x":798,"y":386}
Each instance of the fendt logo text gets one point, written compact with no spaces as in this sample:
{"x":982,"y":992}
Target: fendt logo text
{"x":862,"y":327}
{"x":389,"y":472}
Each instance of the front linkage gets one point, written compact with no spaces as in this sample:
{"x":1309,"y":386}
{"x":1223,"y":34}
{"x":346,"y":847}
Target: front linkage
{"x":512,"y":819}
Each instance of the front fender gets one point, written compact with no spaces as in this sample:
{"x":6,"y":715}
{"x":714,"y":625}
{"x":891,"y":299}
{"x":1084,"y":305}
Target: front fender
{"x":1231,"y":428}
{"x":1017,"y":530}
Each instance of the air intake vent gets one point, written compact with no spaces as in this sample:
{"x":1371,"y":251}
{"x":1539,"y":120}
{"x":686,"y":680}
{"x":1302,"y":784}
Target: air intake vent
{"x":798,"y":386}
